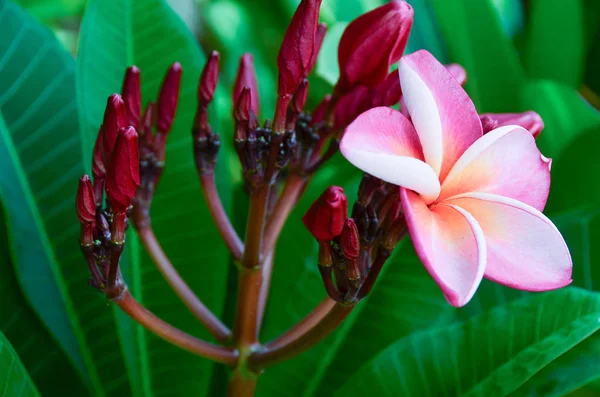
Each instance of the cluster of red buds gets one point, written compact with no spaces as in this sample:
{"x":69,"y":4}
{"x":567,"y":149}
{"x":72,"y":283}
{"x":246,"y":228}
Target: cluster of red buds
{"x":129,"y":158}
{"x":127,"y":163}
{"x":353,"y":250}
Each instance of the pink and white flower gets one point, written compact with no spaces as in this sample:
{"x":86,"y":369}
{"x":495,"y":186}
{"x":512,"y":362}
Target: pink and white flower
{"x":472,"y":202}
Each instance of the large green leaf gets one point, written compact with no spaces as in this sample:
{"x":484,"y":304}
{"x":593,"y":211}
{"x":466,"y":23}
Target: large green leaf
{"x":491,"y":354}
{"x":40,"y":160}
{"x":476,"y":39}
{"x":148,"y":34}
{"x":42,"y":356}
{"x":574,"y":369}
{"x":14,"y":379}
{"x":555,"y":42}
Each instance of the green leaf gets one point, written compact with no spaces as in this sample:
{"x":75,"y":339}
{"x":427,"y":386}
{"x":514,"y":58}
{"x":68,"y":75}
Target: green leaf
{"x":40,"y":159}
{"x":49,"y":366}
{"x":555,"y":41}
{"x":577,"y":367}
{"x":476,"y":39}
{"x":14,"y":379}
{"x":148,"y":34}
{"x":491,"y":354}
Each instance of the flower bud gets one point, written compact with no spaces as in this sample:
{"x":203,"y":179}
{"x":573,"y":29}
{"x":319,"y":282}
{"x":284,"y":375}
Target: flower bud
{"x":84,"y":202}
{"x":132,"y":96}
{"x":300,"y":96}
{"x":98,"y":166}
{"x":123,"y":174}
{"x":372,"y":43}
{"x":530,"y":120}
{"x":349,"y":240}
{"x":319,"y":37}
{"x":209,"y":78}
{"x":147,"y":121}
{"x":298,"y":46}
{"x":325,"y":218}
{"x":246,"y":77}
{"x":357,"y":101}
{"x":243,"y":105}
{"x":458,"y":72}
{"x":318,"y":114}
{"x":389,"y":92}
{"x":114,"y":119}
{"x":167,"y":99}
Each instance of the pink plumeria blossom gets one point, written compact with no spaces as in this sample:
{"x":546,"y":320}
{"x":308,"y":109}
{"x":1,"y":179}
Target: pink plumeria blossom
{"x":472,"y":202}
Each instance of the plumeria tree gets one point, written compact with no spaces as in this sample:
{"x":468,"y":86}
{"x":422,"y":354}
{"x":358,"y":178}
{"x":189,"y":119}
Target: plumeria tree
{"x":464,"y":187}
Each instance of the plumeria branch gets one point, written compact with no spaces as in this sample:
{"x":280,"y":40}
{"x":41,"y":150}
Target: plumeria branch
{"x":173,"y":335}
{"x":215,"y":206}
{"x":180,"y":287}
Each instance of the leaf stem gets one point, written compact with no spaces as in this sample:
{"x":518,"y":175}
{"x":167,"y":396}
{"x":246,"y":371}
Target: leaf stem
{"x":215,"y":206}
{"x":275,"y":352}
{"x":173,"y":335}
{"x":183,"y":291}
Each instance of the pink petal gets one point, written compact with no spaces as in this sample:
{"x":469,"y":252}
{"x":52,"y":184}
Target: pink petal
{"x":505,"y":161}
{"x":450,"y":244}
{"x":525,"y":250}
{"x":383,"y":143}
{"x":442,"y":112}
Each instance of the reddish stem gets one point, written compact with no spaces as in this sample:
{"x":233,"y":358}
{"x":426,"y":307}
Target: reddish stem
{"x":268,"y":355}
{"x":173,"y":335}
{"x":308,"y":322}
{"x":183,"y":291}
{"x":215,"y":206}
{"x":267,"y":272}
{"x":289,"y":197}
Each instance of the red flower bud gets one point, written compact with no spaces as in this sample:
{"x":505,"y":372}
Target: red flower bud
{"x":209,"y":78}
{"x":389,"y":92}
{"x":349,"y":240}
{"x":114,"y":120}
{"x":530,"y":120}
{"x":147,"y":121}
{"x":300,"y":97}
{"x":84,"y":202}
{"x":318,"y":114}
{"x":241,"y":112}
{"x":246,"y":77}
{"x":372,"y":43}
{"x":98,"y":167}
{"x":357,"y":101}
{"x":458,"y":72}
{"x":325,"y":218}
{"x":319,"y":37}
{"x":123,"y":174}
{"x":132,"y":96}
{"x":296,"y":52}
{"x":167,"y":98}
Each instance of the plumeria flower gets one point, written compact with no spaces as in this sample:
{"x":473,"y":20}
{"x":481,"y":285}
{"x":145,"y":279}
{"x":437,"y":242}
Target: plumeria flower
{"x":472,"y":202}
